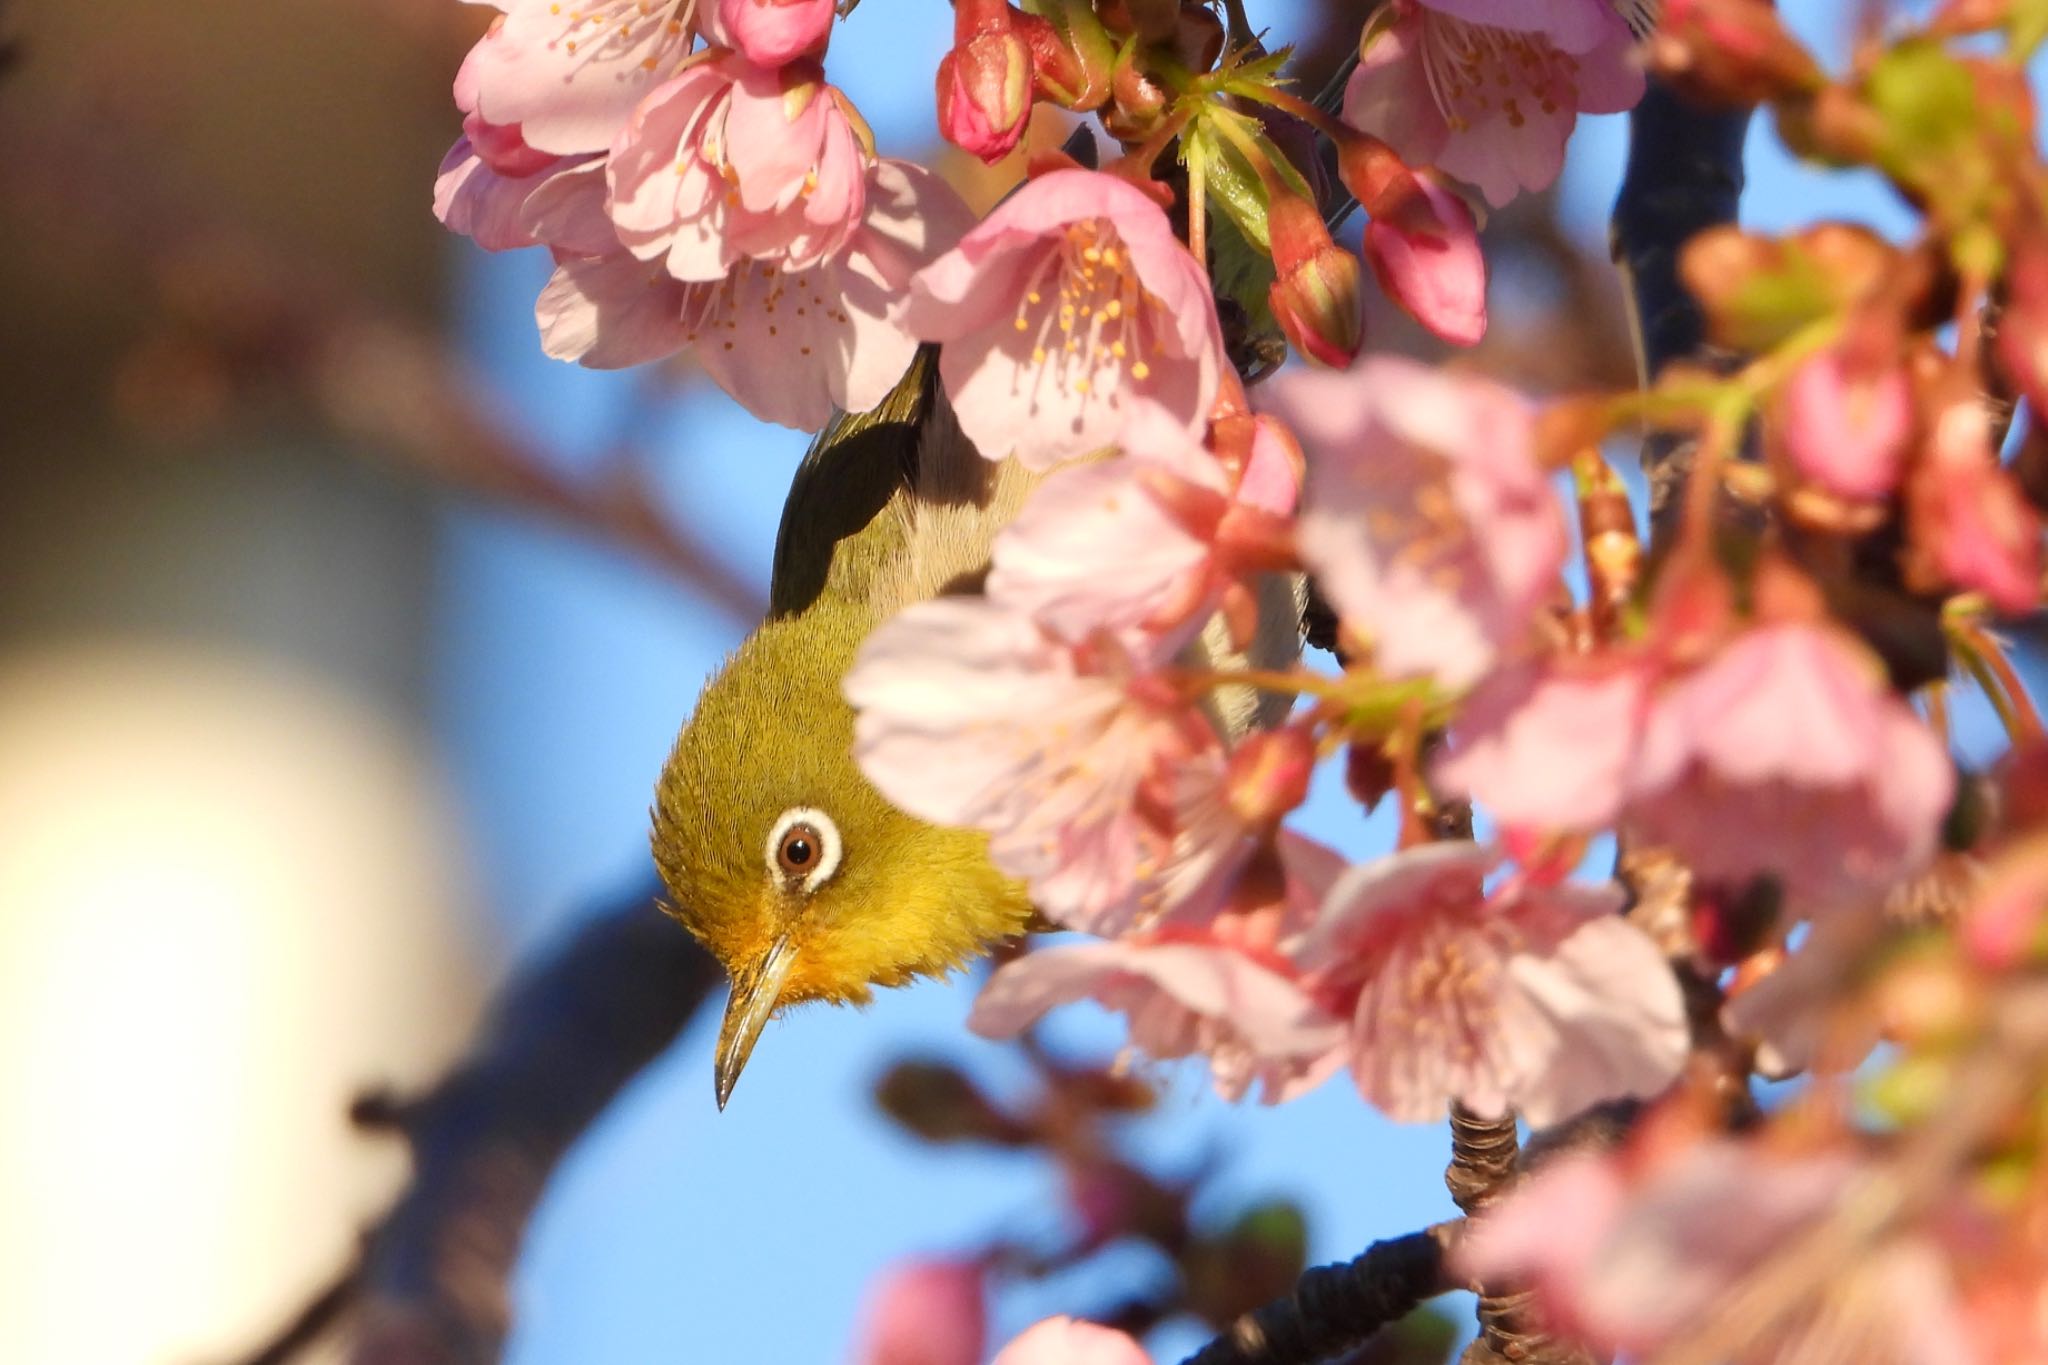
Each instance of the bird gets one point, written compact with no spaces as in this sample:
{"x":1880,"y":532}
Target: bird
{"x":776,"y":853}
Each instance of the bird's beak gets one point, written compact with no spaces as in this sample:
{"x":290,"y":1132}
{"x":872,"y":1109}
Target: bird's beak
{"x":747,"y":1010}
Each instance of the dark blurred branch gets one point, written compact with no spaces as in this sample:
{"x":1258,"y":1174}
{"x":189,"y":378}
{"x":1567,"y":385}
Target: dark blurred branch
{"x":1684,"y":174}
{"x":1334,"y":1308}
{"x":565,"y":1037}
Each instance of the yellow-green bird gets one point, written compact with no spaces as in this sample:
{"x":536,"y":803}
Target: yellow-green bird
{"x":777,"y":853}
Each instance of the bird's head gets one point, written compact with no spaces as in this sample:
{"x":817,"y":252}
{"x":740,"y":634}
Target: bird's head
{"x":787,"y":865}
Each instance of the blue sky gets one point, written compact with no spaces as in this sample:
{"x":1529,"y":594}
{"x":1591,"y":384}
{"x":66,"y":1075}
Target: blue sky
{"x":675,"y":1232}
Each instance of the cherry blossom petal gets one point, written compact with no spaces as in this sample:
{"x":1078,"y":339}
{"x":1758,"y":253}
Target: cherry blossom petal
{"x":568,"y":75}
{"x":610,"y":312}
{"x":1182,"y":998}
{"x":1427,"y":521}
{"x":1549,"y":746}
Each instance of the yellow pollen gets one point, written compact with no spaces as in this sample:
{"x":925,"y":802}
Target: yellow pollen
{"x":1140,"y":370}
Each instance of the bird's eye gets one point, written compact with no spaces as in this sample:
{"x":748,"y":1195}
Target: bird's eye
{"x":799,"y":846}
{"x":803,"y":847}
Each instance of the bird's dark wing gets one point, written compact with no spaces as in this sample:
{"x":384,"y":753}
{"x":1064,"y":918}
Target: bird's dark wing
{"x":857,"y":464}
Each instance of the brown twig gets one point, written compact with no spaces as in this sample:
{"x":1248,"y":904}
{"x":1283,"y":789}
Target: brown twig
{"x":1334,"y":1308}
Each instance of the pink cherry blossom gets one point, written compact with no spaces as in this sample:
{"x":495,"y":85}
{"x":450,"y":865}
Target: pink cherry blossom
{"x":1634,"y":1262}
{"x":1788,"y":754}
{"x":771,"y":32}
{"x":1847,"y":431}
{"x":1069,"y":312}
{"x":568,"y":74}
{"x":1143,"y":548}
{"x":1427,"y":522}
{"x":925,"y":1313}
{"x":1550,"y":746}
{"x":972,"y":715}
{"x":1539,"y":999}
{"x":1425,"y":253}
{"x":1222,"y":988}
{"x":1182,"y":998}
{"x":1489,"y":90}
{"x":790,"y":346}
{"x":730,"y":162}
{"x":1066,"y":1341}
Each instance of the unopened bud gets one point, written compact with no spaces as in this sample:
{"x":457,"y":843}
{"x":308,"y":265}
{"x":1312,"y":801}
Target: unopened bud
{"x":985,"y":82}
{"x":2022,"y":349}
{"x":1731,"y":922}
{"x":1315,"y":290}
{"x":1423,"y":243}
{"x":1928,"y":997}
{"x":925,"y":1313}
{"x":1139,"y":102}
{"x":939,"y":1103}
{"x":772,"y":32}
{"x":1369,"y":773}
{"x":1269,"y":775}
{"x":1072,"y":55}
{"x":1729,"y":52}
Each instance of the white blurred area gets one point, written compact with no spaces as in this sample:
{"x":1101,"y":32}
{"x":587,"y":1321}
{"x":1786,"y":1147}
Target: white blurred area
{"x":230,"y":895}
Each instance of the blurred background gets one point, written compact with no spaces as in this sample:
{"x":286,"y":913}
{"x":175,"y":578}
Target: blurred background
{"x":341,"y":637}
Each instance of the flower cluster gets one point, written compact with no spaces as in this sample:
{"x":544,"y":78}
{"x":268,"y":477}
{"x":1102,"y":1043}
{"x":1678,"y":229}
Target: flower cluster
{"x":723,"y":199}
{"x":1060,"y":714}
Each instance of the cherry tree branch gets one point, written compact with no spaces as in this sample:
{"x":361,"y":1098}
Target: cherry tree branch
{"x":1335,"y":1308}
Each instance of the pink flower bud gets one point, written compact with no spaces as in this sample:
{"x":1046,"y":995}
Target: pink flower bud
{"x":1967,"y":523}
{"x":2023,"y":330}
{"x":771,"y":32}
{"x":1731,"y":52}
{"x":1847,"y":430}
{"x":1063,"y":1341}
{"x":926,"y":1313}
{"x":985,"y":82}
{"x":1423,"y":243}
{"x":1269,"y":775}
{"x":1315,"y":293}
{"x":1072,"y":55}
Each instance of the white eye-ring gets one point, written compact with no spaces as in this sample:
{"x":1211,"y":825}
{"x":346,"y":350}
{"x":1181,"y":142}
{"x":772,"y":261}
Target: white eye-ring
{"x":804,"y":847}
